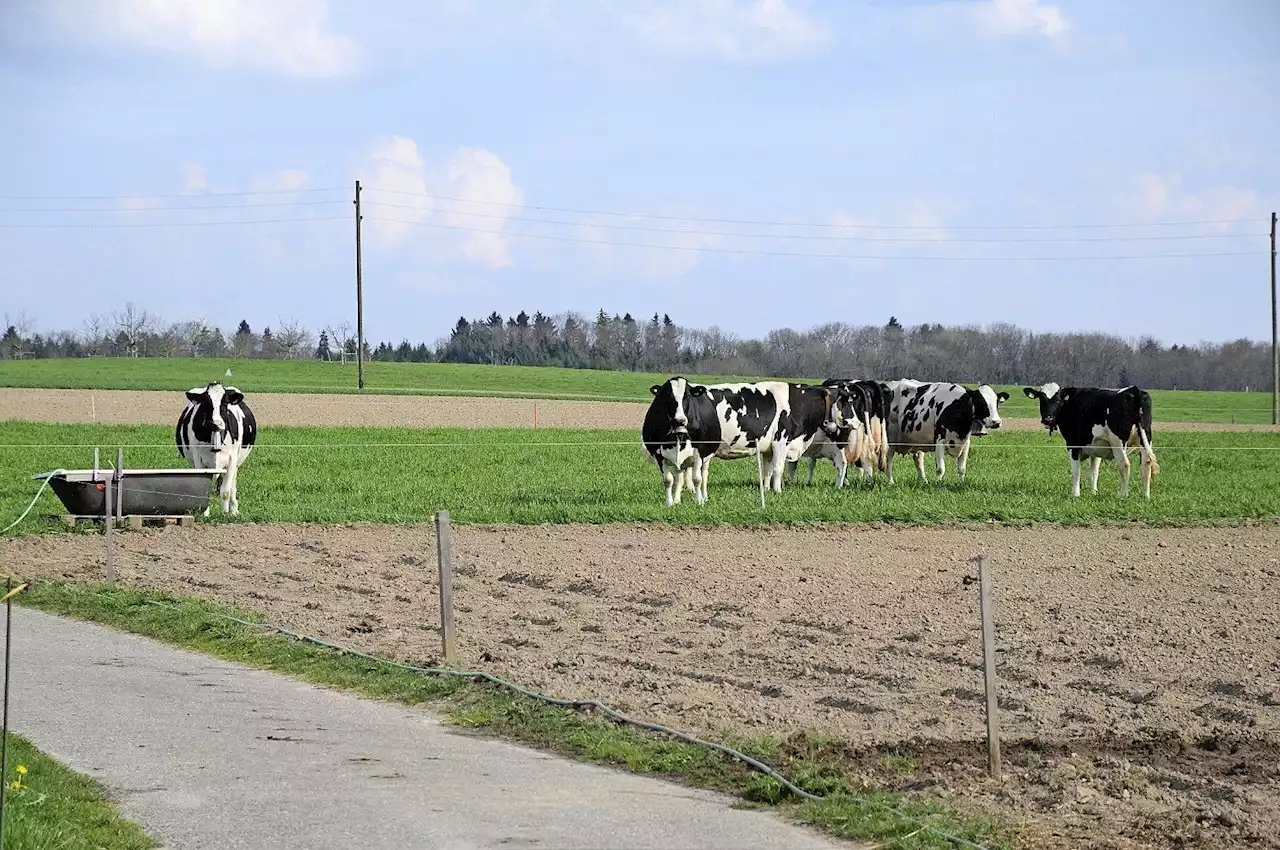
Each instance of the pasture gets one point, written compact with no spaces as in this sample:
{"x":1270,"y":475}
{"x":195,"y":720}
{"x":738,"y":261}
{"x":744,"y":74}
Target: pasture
{"x":313,"y":376}
{"x":491,"y":475}
{"x":1135,"y":636}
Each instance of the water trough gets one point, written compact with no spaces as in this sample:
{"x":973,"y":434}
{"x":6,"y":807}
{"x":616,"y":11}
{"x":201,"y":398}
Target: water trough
{"x":143,"y":492}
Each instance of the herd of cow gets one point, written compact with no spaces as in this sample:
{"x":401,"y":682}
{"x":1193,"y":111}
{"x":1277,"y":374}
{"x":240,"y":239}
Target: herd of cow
{"x":864,"y":423}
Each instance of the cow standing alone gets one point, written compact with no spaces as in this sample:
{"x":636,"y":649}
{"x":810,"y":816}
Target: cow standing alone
{"x":1100,"y":423}
{"x":217,"y":430}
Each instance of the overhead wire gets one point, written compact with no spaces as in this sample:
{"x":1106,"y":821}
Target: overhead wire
{"x":817,"y":236}
{"x":793,"y":223}
{"x":709,"y":249}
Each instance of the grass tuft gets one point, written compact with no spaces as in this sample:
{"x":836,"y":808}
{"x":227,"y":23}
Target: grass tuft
{"x":813,"y":763}
{"x":49,"y":806}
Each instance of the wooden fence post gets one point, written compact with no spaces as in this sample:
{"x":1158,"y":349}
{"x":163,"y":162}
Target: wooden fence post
{"x":444,"y":553}
{"x":989,"y":667}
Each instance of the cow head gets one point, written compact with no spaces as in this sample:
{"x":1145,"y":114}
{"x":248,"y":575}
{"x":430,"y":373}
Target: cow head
{"x":1051,"y":398}
{"x":212,"y":421}
{"x":673,"y":398}
{"x":986,"y":408}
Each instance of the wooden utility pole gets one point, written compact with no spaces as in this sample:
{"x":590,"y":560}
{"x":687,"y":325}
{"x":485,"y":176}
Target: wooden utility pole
{"x":989,"y":667}
{"x":359,"y":296}
{"x":1275,"y":354}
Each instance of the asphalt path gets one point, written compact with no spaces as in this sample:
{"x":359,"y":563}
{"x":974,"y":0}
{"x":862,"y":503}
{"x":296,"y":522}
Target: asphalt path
{"x":204,"y":753}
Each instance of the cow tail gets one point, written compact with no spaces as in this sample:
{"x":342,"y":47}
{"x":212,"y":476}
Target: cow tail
{"x":1149,"y":463}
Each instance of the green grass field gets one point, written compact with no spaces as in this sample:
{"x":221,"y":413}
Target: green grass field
{"x":55,"y":808}
{"x":523,"y":476}
{"x":313,"y":376}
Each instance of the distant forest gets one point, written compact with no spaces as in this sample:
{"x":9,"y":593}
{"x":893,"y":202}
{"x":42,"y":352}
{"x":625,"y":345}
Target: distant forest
{"x":998,"y":354}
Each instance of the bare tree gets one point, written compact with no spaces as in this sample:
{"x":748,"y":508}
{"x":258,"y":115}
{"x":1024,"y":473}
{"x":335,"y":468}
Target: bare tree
{"x":293,"y":340}
{"x":131,"y":325}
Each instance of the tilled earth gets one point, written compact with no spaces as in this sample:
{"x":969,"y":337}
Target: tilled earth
{"x":149,"y":407}
{"x":1139,"y":668}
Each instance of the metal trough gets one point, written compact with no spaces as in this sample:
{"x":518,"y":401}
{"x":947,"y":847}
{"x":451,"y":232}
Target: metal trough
{"x":146,"y":492}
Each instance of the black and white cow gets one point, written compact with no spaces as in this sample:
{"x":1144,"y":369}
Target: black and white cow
{"x":856,"y":433}
{"x":1100,"y":423}
{"x":940,"y":416}
{"x":217,"y":430}
{"x":809,"y":429}
{"x":689,"y":423}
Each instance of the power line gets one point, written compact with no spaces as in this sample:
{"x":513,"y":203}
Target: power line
{"x":119,"y":209}
{"x":165,"y":224}
{"x":825,"y":237}
{"x":803,"y":254}
{"x":765,"y":222}
{"x":167,"y":197}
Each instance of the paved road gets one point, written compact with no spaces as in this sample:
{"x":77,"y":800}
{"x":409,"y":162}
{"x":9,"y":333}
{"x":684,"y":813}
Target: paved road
{"x":208,"y":754}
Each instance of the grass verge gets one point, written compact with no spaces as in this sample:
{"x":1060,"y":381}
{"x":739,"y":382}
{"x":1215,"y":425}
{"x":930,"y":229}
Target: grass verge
{"x":314,"y":376}
{"x":848,"y":809}
{"x":403,"y":475}
{"x":49,"y":806}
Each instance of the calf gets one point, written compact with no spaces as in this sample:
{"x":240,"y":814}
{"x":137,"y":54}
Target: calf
{"x":727,"y":421}
{"x":939,"y":416}
{"x":1100,"y":423}
{"x":217,"y":430}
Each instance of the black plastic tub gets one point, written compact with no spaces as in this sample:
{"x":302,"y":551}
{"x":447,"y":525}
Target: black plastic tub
{"x":145,"y":492}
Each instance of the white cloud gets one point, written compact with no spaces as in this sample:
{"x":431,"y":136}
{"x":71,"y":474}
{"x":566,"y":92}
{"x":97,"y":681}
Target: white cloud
{"x":1160,"y":198}
{"x":991,"y":19}
{"x":677,"y":239}
{"x":734,"y":30}
{"x":471,"y":195}
{"x":287,"y":37}
{"x":284,"y":180}
{"x":193,"y":179}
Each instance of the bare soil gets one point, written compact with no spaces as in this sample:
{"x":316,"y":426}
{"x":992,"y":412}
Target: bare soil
{"x":1139,"y":668}
{"x":138,"y":407}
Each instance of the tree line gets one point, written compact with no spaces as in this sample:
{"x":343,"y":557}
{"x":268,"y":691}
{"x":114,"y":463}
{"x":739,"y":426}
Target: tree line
{"x":998,"y":354}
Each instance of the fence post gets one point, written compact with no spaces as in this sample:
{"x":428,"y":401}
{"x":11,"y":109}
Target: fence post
{"x":989,"y":666}
{"x":107,"y":522}
{"x":119,"y":476}
{"x":444,"y":553}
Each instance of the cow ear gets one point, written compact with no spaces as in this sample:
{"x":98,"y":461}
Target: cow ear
{"x":1002,"y":396}
{"x":194,"y":397}
{"x":234,"y":396}
{"x":654,"y":389}
{"x":1031,"y":392}
{"x":697,"y":390}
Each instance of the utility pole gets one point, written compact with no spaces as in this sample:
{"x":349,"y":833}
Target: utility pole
{"x":360,"y":300}
{"x":1275,"y":354}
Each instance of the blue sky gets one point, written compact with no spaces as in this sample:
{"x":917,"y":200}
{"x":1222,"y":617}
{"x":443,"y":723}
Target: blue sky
{"x":923,"y":142}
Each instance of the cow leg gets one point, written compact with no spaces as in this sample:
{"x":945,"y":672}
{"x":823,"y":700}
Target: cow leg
{"x":1075,"y":476}
{"x":790,"y":467}
{"x":813,"y":462}
{"x":940,"y":457}
{"x":1095,"y":465}
{"x":842,"y":468}
{"x":230,"y":504}
{"x":702,"y":482}
{"x":778,"y":458}
{"x":668,"y":483}
{"x":962,"y":459}
{"x":695,"y":478}
{"x":919,"y":459}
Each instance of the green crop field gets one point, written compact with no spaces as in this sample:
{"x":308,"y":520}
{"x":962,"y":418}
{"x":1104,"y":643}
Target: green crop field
{"x":521,"y":476}
{"x":313,"y":376}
